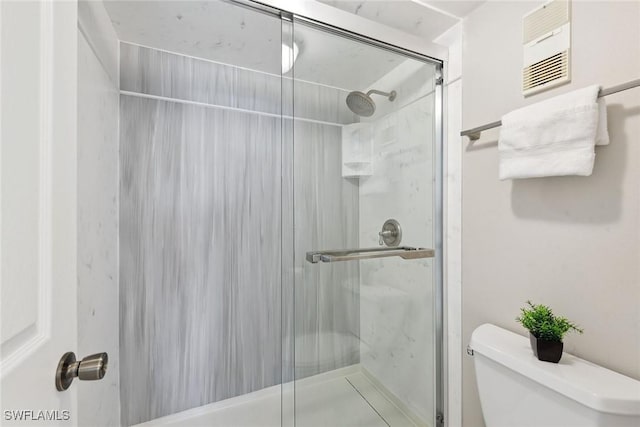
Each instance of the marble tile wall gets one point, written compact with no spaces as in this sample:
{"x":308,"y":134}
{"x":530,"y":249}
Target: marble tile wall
{"x":159,"y":73}
{"x":200,"y":255}
{"x":397,"y":296}
{"x":411,"y":80}
{"x":209,"y":259}
{"x":325,"y":217}
{"x":98,"y":104}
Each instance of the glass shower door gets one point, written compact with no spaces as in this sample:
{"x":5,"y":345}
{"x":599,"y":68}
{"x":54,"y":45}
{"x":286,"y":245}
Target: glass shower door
{"x":365,"y":231}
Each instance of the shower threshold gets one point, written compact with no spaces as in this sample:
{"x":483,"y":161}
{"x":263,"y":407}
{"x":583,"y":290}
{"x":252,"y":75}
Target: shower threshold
{"x":345,"y":397}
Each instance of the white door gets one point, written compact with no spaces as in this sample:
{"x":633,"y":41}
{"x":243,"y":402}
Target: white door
{"x":38,"y":55}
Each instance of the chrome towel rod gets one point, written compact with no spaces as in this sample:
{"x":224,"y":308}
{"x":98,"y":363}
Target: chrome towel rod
{"x":404,"y":252}
{"x":474,"y":134}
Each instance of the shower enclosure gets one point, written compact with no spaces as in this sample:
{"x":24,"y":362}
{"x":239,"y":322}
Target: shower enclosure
{"x":280,"y":240}
{"x":274,"y":198}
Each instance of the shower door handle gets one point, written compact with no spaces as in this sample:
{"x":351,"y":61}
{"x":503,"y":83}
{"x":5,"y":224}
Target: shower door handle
{"x":404,"y":252}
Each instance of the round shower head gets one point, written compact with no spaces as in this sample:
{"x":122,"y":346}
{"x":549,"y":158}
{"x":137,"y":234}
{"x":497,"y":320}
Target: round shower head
{"x":362,"y":104}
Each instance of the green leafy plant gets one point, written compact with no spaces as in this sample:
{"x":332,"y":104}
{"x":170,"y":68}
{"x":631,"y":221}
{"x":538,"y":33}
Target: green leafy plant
{"x":543,"y":324}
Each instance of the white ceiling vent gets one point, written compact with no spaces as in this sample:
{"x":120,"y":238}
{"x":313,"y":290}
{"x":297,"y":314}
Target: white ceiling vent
{"x":547,"y":47}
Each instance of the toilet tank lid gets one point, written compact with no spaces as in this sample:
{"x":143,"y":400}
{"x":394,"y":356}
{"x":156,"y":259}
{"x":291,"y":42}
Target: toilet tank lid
{"x":587,"y":383}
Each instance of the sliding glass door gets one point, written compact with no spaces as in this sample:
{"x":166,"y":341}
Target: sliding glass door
{"x":365,"y":232}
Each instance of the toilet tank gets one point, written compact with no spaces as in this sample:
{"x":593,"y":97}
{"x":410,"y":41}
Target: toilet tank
{"x":518,"y":390}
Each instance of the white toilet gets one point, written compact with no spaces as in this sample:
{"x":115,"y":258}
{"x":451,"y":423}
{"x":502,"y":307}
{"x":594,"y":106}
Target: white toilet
{"x":518,"y":390}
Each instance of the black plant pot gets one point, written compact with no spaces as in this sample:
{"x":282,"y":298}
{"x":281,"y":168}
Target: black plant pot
{"x":547,"y":351}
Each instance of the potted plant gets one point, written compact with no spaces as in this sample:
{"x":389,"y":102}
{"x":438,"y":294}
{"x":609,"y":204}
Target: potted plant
{"x":545,"y":331}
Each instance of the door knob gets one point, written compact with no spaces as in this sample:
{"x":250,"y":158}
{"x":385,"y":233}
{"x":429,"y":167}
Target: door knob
{"x":90,"y":368}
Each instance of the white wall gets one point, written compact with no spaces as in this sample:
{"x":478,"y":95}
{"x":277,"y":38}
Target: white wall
{"x":570,"y":242}
{"x":98,"y":106}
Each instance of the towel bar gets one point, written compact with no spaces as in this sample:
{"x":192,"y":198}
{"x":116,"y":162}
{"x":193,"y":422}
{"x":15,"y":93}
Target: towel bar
{"x":474,"y":133}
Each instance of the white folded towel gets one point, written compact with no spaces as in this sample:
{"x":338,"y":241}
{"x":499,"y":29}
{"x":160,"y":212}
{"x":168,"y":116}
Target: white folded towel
{"x":554,"y":137}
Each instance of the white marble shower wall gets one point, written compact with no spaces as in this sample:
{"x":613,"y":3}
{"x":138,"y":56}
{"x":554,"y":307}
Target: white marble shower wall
{"x":396,"y":296}
{"x":98,"y":210}
{"x":206,"y":212}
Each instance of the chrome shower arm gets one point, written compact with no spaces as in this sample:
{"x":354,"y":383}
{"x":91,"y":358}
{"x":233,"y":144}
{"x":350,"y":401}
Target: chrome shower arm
{"x":391,"y":95}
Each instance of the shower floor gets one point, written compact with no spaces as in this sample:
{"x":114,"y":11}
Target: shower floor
{"x":341,"y":398}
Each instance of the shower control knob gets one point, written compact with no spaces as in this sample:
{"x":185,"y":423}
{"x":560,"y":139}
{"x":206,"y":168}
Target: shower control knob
{"x":391,"y":233}
{"x":90,"y":368}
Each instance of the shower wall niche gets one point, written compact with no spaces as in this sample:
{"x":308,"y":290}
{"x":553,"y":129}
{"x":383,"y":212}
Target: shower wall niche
{"x":203,"y":152}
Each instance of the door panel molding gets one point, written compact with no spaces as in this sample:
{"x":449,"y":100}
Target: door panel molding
{"x":37,"y":332}
{"x":38,"y":210}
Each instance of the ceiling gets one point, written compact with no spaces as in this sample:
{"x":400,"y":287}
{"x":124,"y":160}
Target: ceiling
{"x":423,"y":18}
{"x":407,"y":16}
{"x":222,"y":32}
{"x":458,"y":8}
{"x":206,"y":29}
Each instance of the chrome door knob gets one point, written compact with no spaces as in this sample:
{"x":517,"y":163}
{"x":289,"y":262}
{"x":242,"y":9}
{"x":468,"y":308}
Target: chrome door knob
{"x":91,"y":368}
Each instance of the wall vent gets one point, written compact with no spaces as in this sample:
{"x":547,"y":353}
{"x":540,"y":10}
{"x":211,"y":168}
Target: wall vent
{"x":546,"y":71}
{"x":547,"y":47}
